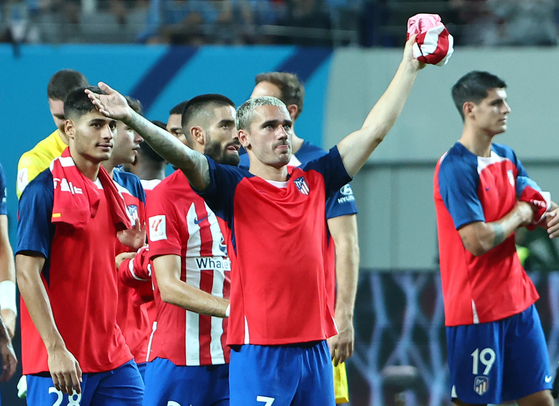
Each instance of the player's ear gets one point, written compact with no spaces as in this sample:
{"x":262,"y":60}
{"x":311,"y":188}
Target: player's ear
{"x":243,"y":138}
{"x":70,"y":128}
{"x":293,"y":110}
{"x":468,"y":108}
{"x":198,"y":135}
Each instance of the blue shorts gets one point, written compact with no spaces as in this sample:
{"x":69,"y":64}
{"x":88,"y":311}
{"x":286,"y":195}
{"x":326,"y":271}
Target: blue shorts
{"x":142,"y":369}
{"x":295,"y":375}
{"x":122,"y":386}
{"x":498,"y":361}
{"x":170,"y":385}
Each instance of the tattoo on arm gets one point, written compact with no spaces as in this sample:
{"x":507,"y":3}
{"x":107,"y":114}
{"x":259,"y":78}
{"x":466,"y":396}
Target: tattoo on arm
{"x":499,"y":234}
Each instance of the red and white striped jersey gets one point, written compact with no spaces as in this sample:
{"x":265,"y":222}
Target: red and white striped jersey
{"x":180,"y":223}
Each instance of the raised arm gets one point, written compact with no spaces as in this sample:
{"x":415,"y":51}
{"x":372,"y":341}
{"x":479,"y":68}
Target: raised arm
{"x":356,"y":148}
{"x":192,"y":163}
{"x":480,"y":237}
{"x":63,"y":367}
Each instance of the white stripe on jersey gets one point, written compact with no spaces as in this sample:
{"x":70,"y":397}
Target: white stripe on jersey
{"x":192,"y":337}
{"x":484,"y":162}
{"x":195,"y":264}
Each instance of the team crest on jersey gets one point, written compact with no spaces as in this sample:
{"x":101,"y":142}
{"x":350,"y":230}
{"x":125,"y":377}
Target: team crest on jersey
{"x":481,"y":384}
{"x":158,"y":228}
{"x":511,"y":177}
{"x":133,"y":212}
{"x":302,"y":185}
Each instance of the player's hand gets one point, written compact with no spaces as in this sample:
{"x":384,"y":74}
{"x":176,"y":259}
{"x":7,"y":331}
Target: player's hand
{"x":9,"y":360}
{"x":408,"y":54}
{"x":123,"y":256}
{"x":552,"y":219}
{"x":134,"y":237}
{"x":112,"y":105}
{"x":341,"y":345}
{"x":9,"y":318}
{"x":65,"y":371}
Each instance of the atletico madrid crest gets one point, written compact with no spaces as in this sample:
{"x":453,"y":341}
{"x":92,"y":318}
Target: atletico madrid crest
{"x":302,"y":185}
{"x":481,"y":384}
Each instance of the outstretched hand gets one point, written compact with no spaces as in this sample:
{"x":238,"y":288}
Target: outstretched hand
{"x":408,"y":53}
{"x":112,"y":104}
{"x":134,"y":237}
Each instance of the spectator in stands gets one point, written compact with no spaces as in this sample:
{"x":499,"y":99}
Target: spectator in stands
{"x":313,"y":19}
{"x":525,"y":22}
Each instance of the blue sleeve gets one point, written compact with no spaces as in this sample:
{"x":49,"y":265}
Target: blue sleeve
{"x":458,"y":186}
{"x":132,"y":183}
{"x":35,"y":229}
{"x":342,"y":203}
{"x":220,"y":194}
{"x":245,"y":161}
{"x":522,"y":179}
{"x":3,"y":192}
{"x":332,"y":169}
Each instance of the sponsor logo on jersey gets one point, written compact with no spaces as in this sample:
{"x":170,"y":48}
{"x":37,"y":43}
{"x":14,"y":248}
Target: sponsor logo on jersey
{"x":158,"y":228}
{"x":22,"y":179}
{"x":66,"y":186}
{"x":196,"y":221}
{"x":346,"y":190}
{"x":481,"y":384}
{"x":547,"y":378}
{"x":511,"y":177}
{"x":211,"y":263}
{"x":347,"y":193}
{"x":302,"y":185}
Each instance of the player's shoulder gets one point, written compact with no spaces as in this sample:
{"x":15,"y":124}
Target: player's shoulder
{"x":126,"y":178}
{"x":457,"y":156}
{"x":171,"y":188}
{"x":503,"y":151}
{"x":309,"y":152}
{"x":41,"y":186}
{"x":49,"y":146}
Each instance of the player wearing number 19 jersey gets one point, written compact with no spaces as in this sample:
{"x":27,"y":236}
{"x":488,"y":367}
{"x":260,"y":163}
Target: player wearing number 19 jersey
{"x":497,"y":350}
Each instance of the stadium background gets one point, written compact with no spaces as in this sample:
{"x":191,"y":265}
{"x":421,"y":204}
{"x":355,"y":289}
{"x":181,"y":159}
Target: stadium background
{"x":399,"y":319}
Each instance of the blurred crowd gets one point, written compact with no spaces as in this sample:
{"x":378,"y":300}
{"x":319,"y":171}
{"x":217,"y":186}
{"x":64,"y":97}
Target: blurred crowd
{"x":299,"y":22}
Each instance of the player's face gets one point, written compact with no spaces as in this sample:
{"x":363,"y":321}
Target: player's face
{"x":266,"y":89}
{"x":126,"y":145}
{"x":175,"y":128}
{"x":56,"y":108}
{"x":92,"y":136}
{"x":492,"y":113}
{"x":222,"y":143}
{"x":270,"y":135}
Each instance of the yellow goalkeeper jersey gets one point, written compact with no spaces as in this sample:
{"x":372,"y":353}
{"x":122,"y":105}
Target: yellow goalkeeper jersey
{"x":38,"y":159}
